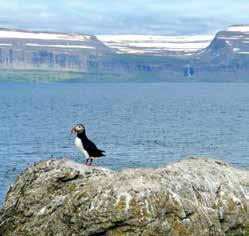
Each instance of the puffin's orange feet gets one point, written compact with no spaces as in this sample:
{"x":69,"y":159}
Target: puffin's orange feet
{"x":86,"y":162}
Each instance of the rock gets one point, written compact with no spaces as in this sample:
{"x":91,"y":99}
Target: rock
{"x":189,"y":197}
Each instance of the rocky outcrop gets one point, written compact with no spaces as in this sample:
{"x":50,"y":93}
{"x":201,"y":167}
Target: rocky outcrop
{"x":190,"y":197}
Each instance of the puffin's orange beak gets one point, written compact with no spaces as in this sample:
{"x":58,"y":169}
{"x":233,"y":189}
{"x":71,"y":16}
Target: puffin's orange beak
{"x":73,"y":130}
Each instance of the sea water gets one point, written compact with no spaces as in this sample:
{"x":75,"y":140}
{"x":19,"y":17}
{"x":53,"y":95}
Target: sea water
{"x":138,"y":124}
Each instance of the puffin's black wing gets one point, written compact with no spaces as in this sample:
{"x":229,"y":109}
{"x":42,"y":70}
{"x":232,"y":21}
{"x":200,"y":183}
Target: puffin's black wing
{"x":92,"y":149}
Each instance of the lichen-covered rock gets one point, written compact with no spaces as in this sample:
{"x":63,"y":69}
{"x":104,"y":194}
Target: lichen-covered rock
{"x":190,"y":197}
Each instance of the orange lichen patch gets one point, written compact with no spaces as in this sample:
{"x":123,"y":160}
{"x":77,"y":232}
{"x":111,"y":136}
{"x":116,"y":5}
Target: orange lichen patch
{"x":179,"y":229}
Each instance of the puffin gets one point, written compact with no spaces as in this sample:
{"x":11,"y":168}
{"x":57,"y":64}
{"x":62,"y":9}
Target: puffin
{"x":85,"y":145}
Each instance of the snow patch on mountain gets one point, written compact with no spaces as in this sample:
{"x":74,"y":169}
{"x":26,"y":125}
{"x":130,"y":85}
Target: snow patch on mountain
{"x":148,"y":44}
{"x":42,"y":36}
{"x":239,"y":28}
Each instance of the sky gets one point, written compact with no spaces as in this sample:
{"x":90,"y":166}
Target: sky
{"x":151,"y":17}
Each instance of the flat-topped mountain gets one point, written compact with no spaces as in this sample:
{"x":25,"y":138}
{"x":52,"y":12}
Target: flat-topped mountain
{"x":46,"y":55}
{"x":26,"y":50}
{"x":234,"y":42}
{"x":226,"y":58}
{"x":47,"y":39}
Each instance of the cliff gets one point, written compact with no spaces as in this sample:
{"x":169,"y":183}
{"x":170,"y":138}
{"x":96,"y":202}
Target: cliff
{"x":26,"y":55}
{"x":190,"y":197}
{"x":226,"y":58}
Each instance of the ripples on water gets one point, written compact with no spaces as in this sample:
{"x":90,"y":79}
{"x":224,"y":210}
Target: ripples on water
{"x":138,"y":124}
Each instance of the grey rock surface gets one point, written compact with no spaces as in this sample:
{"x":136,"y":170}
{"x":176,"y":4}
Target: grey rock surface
{"x":189,"y":197}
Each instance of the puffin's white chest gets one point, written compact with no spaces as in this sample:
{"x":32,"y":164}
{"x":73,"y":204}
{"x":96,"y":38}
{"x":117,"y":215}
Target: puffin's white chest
{"x":80,"y":147}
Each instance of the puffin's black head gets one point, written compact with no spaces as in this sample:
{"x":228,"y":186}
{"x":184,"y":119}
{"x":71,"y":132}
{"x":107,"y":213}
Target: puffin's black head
{"x":79,"y":128}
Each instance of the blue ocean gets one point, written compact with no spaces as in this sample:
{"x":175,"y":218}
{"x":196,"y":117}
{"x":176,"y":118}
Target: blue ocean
{"x":137,"y":124}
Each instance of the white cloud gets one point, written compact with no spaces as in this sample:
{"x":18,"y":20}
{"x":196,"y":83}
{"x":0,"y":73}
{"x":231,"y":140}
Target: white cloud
{"x":130,"y":16}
